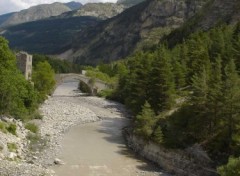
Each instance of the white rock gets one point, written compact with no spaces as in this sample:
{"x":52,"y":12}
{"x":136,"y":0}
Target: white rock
{"x":58,"y":161}
{"x":12,"y":155}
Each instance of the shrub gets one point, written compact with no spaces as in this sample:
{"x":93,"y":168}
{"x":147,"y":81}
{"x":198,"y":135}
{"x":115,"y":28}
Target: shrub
{"x":12,"y":129}
{"x":83,"y":87}
{"x":3,"y":127}
{"x":232,"y":168}
{"x":32,"y":127}
{"x":107,"y":93}
{"x":36,"y":142}
{"x":12,"y":147}
{"x":37,"y":115}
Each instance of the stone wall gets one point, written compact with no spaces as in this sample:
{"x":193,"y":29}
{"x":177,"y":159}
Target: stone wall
{"x":189,"y":162}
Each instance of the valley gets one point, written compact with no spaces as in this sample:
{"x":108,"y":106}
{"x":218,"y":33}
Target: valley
{"x":130,"y":87}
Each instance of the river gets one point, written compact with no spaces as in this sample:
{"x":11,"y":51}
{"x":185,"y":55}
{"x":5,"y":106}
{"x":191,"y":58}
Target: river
{"x":98,"y":148}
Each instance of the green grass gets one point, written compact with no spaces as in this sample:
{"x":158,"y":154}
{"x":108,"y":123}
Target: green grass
{"x":32,"y":127}
{"x":3,"y":126}
{"x":12,"y":129}
{"x":36,"y":142}
{"x":12,"y":147}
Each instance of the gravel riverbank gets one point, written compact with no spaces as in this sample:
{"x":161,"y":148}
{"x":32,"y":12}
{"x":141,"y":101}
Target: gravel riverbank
{"x":61,"y":112}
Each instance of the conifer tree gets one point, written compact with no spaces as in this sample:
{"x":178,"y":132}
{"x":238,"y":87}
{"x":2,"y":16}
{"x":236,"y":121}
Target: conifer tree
{"x":158,"y":135}
{"x":161,"y":82}
{"x":231,"y":96}
{"x":145,"y":121}
{"x":215,"y":94}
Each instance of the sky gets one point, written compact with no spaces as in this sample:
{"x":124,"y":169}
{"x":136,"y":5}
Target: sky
{"x":7,"y":6}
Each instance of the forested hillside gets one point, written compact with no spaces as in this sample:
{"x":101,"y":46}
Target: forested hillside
{"x":186,"y":95}
{"x":137,"y":28}
{"x":48,"y":36}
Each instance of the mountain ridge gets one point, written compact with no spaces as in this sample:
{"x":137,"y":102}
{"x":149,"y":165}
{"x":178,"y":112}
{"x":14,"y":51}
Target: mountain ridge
{"x":99,"y":10}
{"x":119,"y":36}
{"x":37,"y":12}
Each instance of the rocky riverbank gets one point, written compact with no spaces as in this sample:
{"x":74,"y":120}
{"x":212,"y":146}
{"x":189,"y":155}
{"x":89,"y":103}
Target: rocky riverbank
{"x":60,"y":112}
{"x":26,"y":159}
{"x":192,"y":161}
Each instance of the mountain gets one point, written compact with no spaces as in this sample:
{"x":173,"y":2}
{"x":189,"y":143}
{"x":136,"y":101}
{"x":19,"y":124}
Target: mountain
{"x":73,"y":5}
{"x":48,"y":36}
{"x":99,"y":10}
{"x":129,"y":3}
{"x":216,"y":12}
{"x":135,"y":28}
{"x":4,"y":17}
{"x":35,"y":13}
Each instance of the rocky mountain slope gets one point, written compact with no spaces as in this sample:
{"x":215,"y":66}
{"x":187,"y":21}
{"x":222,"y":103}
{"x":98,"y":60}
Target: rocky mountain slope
{"x":4,"y":17}
{"x":216,"y":12}
{"x":136,"y":27}
{"x":129,"y":3}
{"x":73,"y":5}
{"x":99,"y":10}
{"x":38,"y":12}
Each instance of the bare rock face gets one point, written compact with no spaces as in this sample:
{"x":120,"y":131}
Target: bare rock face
{"x":98,"y":10}
{"x":191,"y":162}
{"x":118,"y":37}
{"x":36,"y":13}
{"x":129,"y":3}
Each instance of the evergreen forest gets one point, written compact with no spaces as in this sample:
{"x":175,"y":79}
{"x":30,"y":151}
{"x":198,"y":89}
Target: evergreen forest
{"x":185,"y":95}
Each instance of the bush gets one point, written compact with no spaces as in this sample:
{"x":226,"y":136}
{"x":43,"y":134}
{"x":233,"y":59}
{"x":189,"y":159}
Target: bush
{"x":12,"y":147}
{"x":107,"y":93}
{"x":32,"y":127}
{"x":37,"y":115}
{"x":83,"y":87}
{"x":12,"y":129}
{"x":232,"y":168}
{"x":3,"y":127}
{"x":36,"y":142}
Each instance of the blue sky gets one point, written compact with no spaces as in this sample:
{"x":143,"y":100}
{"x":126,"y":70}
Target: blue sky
{"x":7,"y":6}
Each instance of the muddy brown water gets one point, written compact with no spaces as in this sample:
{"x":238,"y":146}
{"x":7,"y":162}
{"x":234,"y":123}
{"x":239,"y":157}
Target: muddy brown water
{"x":98,"y":148}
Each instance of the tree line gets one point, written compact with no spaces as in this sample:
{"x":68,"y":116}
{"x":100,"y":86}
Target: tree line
{"x":20,"y":98}
{"x":187,"y":94}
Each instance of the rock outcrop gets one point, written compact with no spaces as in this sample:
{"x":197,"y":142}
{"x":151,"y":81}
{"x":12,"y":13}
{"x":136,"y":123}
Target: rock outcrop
{"x":36,"y":13}
{"x":134,"y":28}
{"x":98,"y":10}
{"x":190,"y":162}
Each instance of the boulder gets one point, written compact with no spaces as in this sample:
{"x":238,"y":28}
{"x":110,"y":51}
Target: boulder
{"x":58,"y":161}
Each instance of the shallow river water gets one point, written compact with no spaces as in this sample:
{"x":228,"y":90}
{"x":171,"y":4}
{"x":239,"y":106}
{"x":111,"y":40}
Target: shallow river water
{"x":98,"y":149}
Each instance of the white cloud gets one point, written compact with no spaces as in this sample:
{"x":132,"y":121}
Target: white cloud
{"x":7,"y":6}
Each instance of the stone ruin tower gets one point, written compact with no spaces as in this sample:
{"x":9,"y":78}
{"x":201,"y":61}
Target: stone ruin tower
{"x":24,"y":63}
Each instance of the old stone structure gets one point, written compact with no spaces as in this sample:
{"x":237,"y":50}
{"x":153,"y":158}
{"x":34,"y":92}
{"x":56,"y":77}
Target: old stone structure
{"x":24,"y":63}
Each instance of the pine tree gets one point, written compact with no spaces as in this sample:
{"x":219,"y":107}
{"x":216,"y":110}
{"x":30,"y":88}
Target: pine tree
{"x":179,"y":75}
{"x":231,"y":96}
{"x":161,"y":82}
{"x":215,"y":94}
{"x":144,"y":122}
{"x":198,"y":56}
{"x":136,"y":88}
{"x":158,"y":135}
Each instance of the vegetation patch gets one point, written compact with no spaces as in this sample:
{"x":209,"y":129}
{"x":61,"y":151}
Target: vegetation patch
{"x":12,"y":147}
{"x":3,"y":126}
{"x":37,"y":143}
{"x":11,"y":128}
{"x":83,"y":87}
{"x":32,"y":127}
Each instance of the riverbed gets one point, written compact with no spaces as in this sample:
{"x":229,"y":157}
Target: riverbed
{"x":98,"y":148}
